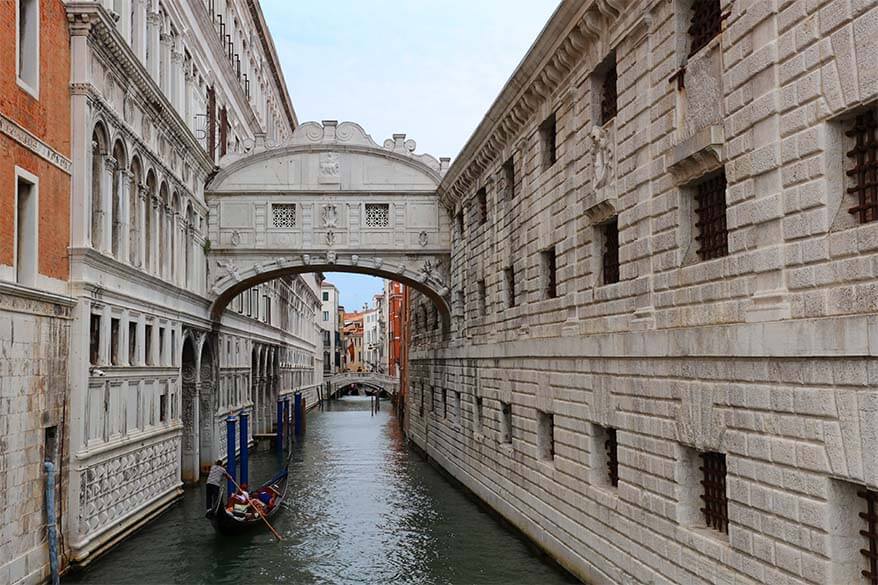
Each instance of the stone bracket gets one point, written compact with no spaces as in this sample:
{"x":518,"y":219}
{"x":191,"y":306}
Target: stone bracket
{"x":698,"y":155}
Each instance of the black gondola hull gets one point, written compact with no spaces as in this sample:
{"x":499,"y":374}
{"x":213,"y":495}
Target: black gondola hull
{"x":228,"y":524}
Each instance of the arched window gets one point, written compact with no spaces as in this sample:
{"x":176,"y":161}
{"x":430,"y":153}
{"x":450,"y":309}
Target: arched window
{"x":134,"y":212}
{"x":98,"y":158}
{"x":162,"y":260}
{"x":148,"y":223}
{"x":116,"y":197}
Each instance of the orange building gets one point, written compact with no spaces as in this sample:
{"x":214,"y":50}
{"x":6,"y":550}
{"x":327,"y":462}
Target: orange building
{"x":35,"y":309}
{"x":395,"y":292}
{"x":353,"y":338}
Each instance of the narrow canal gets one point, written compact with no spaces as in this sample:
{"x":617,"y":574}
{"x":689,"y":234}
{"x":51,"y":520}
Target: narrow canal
{"x":362,"y":508}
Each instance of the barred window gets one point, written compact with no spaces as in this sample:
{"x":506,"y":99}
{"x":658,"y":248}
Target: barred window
{"x":713,"y":237}
{"x":509,"y":274}
{"x":550,"y":269}
{"x":612,"y":448}
{"x":377,"y":215}
{"x":609,"y":98}
{"x":870,"y":519}
{"x":706,"y":23}
{"x":610,"y":254}
{"x":715,"y":503}
{"x":548,"y":137}
{"x":863,"y":172}
{"x":482,"y":196}
{"x":283,"y":215}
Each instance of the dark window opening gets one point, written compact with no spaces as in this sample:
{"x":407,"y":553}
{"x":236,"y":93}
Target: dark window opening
{"x":161,"y":345}
{"x":609,"y":97}
{"x":163,"y":407}
{"x":147,"y":344}
{"x":444,"y":403}
{"x":713,"y":237}
{"x":132,"y":343}
{"x":715,"y":502}
{"x":482,"y":196}
{"x":114,"y":342}
{"x":610,"y":253}
{"x":612,"y":447}
{"x":483,"y":298}
{"x":546,"y":435}
{"x":509,"y":274}
{"x":509,"y":176}
{"x":870,"y":516}
{"x":706,"y":23}
{"x":94,"y":346}
{"x":550,"y":269}
{"x":460,"y":223}
{"x":864,"y":172}
{"x":50,"y":444}
{"x":506,"y":422}
{"x":548,"y":138}
{"x":478,"y":415}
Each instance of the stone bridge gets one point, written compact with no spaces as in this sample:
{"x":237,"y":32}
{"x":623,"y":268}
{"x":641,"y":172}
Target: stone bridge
{"x":389,"y":384}
{"x":331,"y":199}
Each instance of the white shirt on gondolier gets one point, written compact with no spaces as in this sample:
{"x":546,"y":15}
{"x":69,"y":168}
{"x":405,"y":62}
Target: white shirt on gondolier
{"x":215,"y":477}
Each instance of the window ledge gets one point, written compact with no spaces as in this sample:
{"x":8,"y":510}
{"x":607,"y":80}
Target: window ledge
{"x":33,"y":91}
{"x":697,"y":155}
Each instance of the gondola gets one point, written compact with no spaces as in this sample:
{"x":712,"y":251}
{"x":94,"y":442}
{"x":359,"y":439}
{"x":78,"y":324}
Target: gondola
{"x":226,"y":522}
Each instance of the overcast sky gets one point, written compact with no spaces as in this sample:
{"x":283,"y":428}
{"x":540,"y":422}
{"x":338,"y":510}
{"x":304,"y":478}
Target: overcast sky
{"x":428,"y":68}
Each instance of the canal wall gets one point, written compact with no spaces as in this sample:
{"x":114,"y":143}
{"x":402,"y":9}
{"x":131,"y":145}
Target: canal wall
{"x":660,"y":361}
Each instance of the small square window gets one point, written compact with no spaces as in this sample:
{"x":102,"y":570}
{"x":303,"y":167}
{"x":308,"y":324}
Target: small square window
{"x":610,"y":251}
{"x":710,"y":217}
{"x":546,"y":435}
{"x":548,"y":140}
{"x":377,"y":215}
{"x":325,"y":295}
{"x":505,"y":422}
{"x":549,"y":265}
{"x":283,"y":215}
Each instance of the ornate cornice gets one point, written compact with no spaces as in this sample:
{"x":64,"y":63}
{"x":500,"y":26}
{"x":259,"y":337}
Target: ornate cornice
{"x":273,"y":61}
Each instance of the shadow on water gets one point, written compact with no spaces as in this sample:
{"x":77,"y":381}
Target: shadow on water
{"x":361,"y":508}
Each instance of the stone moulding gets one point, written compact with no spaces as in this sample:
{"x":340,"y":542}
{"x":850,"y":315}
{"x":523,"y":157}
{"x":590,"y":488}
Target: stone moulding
{"x":698,"y":155}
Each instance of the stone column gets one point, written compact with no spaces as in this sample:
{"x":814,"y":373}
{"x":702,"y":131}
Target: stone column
{"x":153,"y":29}
{"x":140,"y":30}
{"x":155,"y":262}
{"x":123,"y":25}
{"x":124,"y":214}
{"x":169,"y":243}
{"x":142,"y":205}
{"x":164,"y":80}
{"x":104,"y":349}
{"x":107,"y":205}
{"x":123,"y":340}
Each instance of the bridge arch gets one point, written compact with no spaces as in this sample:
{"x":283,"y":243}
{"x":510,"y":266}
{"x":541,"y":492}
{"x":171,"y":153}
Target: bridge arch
{"x":329,"y":200}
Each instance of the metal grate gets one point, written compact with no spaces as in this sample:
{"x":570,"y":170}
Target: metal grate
{"x":611,"y":251}
{"x":707,"y":20}
{"x":609,"y":98}
{"x":283,"y":215}
{"x":377,"y":215}
{"x":864,"y":172}
{"x":612,"y":457}
{"x":716,"y":504}
{"x":713,"y":237}
{"x":871,"y":518}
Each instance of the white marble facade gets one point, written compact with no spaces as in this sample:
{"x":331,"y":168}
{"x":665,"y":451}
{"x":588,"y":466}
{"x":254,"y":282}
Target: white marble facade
{"x":155,"y":108}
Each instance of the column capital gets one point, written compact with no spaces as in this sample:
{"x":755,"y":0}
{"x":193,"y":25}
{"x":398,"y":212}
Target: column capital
{"x":110,"y":163}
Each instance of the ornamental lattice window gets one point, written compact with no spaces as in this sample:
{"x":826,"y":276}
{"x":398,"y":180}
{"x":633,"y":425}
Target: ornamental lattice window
{"x":870,"y":518}
{"x":706,"y":23}
{"x":283,"y":215}
{"x":609,"y":98}
{"x":610,"y":256}
{"x":713,"y":236}
{"x":715,"y":503}
{"x":612,"y":448}
{"x":863,"y":172}
{"x":377,"y":215}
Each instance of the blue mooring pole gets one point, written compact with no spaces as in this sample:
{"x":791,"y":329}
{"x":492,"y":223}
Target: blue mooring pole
{"x":245,"y":446}
{"x":287,"y":418}
{"x":230,"y":454}
{"x":299,"y":414}
{"x":280,"y":425}
{"x":50,"y":517}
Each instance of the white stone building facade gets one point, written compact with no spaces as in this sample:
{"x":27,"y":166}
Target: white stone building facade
{"x":163,"y":92}
{"x":661,"y":358}
{"x":329,"y":323}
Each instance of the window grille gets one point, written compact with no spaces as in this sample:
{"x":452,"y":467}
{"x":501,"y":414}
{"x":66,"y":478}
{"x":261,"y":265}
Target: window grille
{"x":548,"y":134}
{"x":483,"y":205}
{"x":612,"y":457}
{"x":611,"y":251}
{"x":864,"y":172}
{"x":716,"y":504}
{"x":871,"y":518}
{"x":377,"y":215}
{"x":609,"y":101}
{"x":283,"y":215}
{"x":713,"y":238}
{"x":706,"y":23}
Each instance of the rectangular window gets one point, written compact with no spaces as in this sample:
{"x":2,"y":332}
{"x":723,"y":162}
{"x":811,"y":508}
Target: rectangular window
{"x":715,"y":502}
{"x":115,"y":350}
{"x":161,"y":346}
{"x":483,"y":298}
{"x":546,"y":435}
{"x":457,"y":409}
{"x":706,"y":24}
{"x":325,"y":296}
{"x":863,"y":171}
{"x":50,"y":444}
{"x":172,"y":360}
{"x":377,"y":215}
{"x":283,"y":215}
{"x":605,"y":458}
{"x":94,"y":346}
{"x":421,"y":402}
{"x":459,"y":218}
{"x":477,"y":415}
{"x":444,"y":403}
{"x":609,"y":98}
{"x":266,"y":301}
{"x":147,"y":344}
{"x":326,"y":315}
{"x":710,"y":218}
{"x":28,"y":46}
{"x":549,"y":265}
{"x":869,"y":532}
{"x":509,"y":275}
{"x":509,"y":178}
{"x":132,"y":343}
{"x":505,"y":422}
{"x":548,"y":138}
{"x":163,"y":407}
{"x":26,"y":230}
{"x":482,"y":196}
{"x":610,"y":252}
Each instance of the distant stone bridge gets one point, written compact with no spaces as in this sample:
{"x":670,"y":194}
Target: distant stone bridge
{"x":389,"y":384}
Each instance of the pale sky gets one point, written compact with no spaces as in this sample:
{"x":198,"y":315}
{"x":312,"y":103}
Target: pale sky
{"x":428,"y":68}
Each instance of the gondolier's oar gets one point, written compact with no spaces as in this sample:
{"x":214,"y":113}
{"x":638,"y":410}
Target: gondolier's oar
{"x":255,"y":507}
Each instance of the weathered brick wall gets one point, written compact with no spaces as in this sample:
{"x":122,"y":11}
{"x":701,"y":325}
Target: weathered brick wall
{"x":765,"y":354}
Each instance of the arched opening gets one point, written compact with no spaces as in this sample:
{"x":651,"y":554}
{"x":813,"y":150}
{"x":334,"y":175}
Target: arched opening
{"x":135,"y":209}
{"x":162,"y":232}
{"x":118,"y":184}
{"x":99,"y":151}
{"x":189,"y":458}
{"x":187,"y":245}
{"x":175,"y":237}
{"x":148,"y":223}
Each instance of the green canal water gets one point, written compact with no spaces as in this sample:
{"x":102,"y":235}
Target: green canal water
{"x":362,"y":508}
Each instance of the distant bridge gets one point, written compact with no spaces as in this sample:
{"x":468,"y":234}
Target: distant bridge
{"x":374,"y":380}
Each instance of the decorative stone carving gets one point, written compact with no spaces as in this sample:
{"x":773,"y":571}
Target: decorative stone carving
{"x":236,"y":238}
{"x":330,"y":257}
{"x":330,"y":238}
{"x":231,"y":269}
{"x":602,"y":157}
{"x":330,"y":168}
{"x":330,"y":215}
{"x":423,"y":240}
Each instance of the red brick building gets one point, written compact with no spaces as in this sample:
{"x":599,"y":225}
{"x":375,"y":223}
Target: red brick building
{"x":35,"y":310}
{"x":395,"y":292}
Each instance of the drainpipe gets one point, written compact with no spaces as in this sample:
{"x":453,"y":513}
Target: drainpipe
{"x":245,"y":446}
{"x":230,"y":448}
{"x":50,"y":524}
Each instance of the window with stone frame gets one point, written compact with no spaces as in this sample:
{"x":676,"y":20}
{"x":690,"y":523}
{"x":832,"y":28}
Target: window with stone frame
{"x":460,"y":225}
{"x":477,"y":414}
{"x":505,"y":422}
{"x":509,"y":277}
{"x":482,"y":197}
{"x":163,"y":407}
{"x":115,"y":350}
{"x":147,"y":344}
{"x":715,"y":503}
{"x":862,"y":165}
{"x":377,"y":215}
{"x":483,"y":298}
{"x":852,"y":521}
{"x":609,"y":239}
{"x":444,"y":403}
{"x":705,"y":23}
{"x":605,"y":455}
{"x":28,"y":45}
{"x":548,"y":141}
{"x":26,"y":228}
{"x":549,"y":264}
{"x":94,"y":347}
{"x":283,"y":215}
{"x":132,"y":343}
{"x":509,"y":178}
{"x":710,"y":217}
{"x":609,"y":97}
{"x":546,"y":435}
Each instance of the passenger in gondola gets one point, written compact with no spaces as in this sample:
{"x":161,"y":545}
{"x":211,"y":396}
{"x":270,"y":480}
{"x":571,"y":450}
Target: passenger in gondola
{"x":240,"y":501}
{"x":214,"y":484}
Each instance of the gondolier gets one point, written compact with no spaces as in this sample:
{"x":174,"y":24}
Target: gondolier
{"x":214,"y":484}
